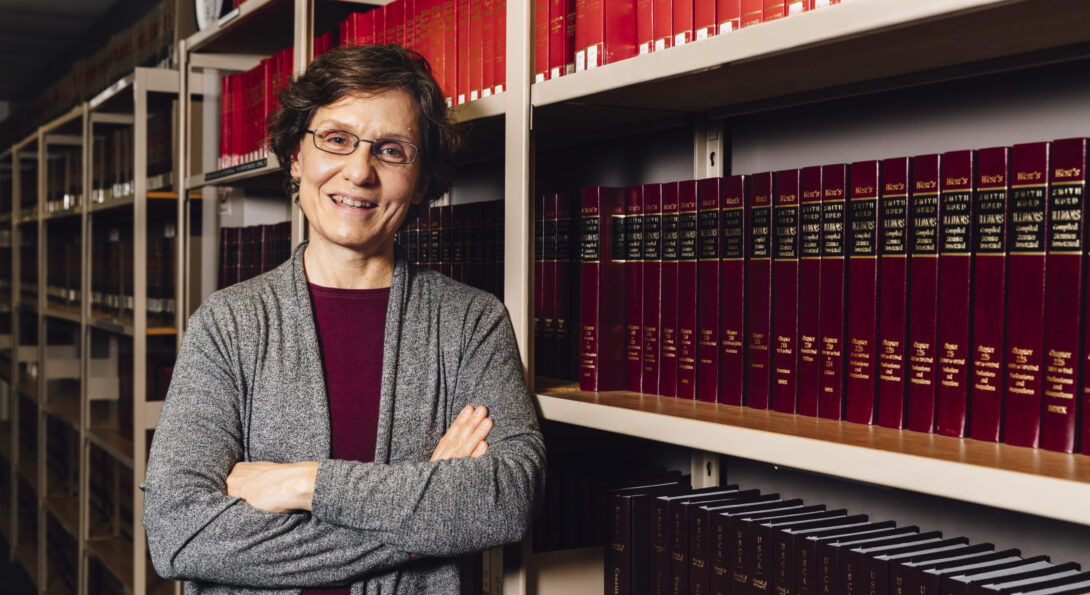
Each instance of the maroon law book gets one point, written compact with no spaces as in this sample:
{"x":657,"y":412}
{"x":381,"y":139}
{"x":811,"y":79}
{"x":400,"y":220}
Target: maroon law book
{"x":435,"y":238}
{"x":990,"y":215}
{"x":446,"y":240}
{"x":923,"y":310}
{"x":1025,"y":295}
{"x":893,"y":292}
{"x":1064,"y":279}
{"x":628,"y":548}
{"x":835,"y":226}
{"x":688,"y":248}
{"x":668,"y":320}
{"x":634,"y":292}
{"x":882,"y":567}
{"x":544,"y":318}
{"x":955,"y":292}
{"x":458,"y":240}
{"x":809,"y":366}
{"x":759,"y":291}
{"x":722,"y":550}
{"x":862,"y":293}
{"x":652,"y":285}
{"x":424,"y":238}
{"x":741,"y":568}
{"x":732,"y":357}
{"x":708,"y":194}
{"x":565,"y":298}
{"x":602,"y":313}
{"x":698,"y":531}
{"x":785,"y":291}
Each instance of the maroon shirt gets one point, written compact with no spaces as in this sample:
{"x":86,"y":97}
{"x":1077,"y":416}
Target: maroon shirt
{"x":351,"y":328}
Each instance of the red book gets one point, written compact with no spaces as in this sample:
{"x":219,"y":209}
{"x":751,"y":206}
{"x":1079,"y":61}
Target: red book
{"x":450,"y":49}
{"x":541,"y":365}
{"x":605,"y":32}
{"x":732,"y":361}
{"x":834,"y":240}
{"x":893,"y":292}
{"x":785,"y":291}
{"x":809,"y":366}
{"x":645,"y":26}
{"x":363,"y":31}
{"x":347,"y":28}
{"x":561,"y":37}
{"x":668,"y":320}
{"x":773,"y":9}
{"x":704,"y":19}
{"x":923,"y":312}
{"x":499,"y":65}
{"x":541,"y":40}
{"x":662,"y":26}
{"x":652,"y":285}
{"x":955,"y":292}
{"x":225,"y":123}
{"x":683,"y":21}
{"x":1064,"y":296}
{"x":729,"y":15}
{"x":709,"y":194}
{"x":488,"y":51}
{"x":476,"y":49}
{"x":1025,"y":294}
{"x":463,"y":86}
{"x":862,"y":293}
{"x":564,"y":297}
{"x":759,"y":291}
{"x":687,"y":289}
{"x":752,"y":12}
{"x":395,"y":22}
{"x":238,"y":119}
{"x":380,"y":24}
{"x":633,"y":230}
{"x":991,"y":211}
{"x":601,"y":365}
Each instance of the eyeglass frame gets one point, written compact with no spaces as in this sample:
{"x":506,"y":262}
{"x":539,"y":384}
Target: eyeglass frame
{"x":314,"y":136}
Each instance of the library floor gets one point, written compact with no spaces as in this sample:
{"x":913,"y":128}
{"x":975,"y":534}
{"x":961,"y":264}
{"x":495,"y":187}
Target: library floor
{"x":13,"y":580}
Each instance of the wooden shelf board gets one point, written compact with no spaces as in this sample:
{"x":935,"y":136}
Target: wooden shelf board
{"x":26,"y":555}
{"x":115,"y":553}
{"x":111,"y":441}
{"x":66,"y":510}
{"x":63,"y":312}
{"x":162,"y":330}
{"x":998,"y":475}
{"x":268,"y":174}
{"x":486,"y":107}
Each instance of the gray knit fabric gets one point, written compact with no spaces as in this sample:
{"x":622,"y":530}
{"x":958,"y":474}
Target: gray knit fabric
{"x":248,"y":386}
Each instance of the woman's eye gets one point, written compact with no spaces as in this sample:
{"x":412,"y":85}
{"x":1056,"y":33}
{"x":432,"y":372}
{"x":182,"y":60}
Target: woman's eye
{"x":337,"y":139}
{"x":391,"y":149}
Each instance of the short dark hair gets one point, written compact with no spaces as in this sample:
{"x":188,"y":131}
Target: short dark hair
{"x":370,"y":69}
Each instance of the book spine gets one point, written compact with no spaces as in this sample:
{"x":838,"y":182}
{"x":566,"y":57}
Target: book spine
{"x":773,"y":9}
{"x":809,"y":368}
{"x":893,"y":292}
{"x":543,"y":332}
{"x":835,"y":225}
{"x":687,"y":306}
{"x":620,"y":30}
{"x":499,"y":71}
{"x":752,"y":12}
{"x":729,"y":15}
{"x":709,"y":194}
{"x":450,"y":49}
{"x":732,"y":361}
{"x":668,"y":352}
{"x":659,"y":566}
{"x":699,"y":567}
{"x":634,"y":238}
{"x":463,"y":34}
{"x":759,"y":292}
{"x":679,"y":551}
{"x":719,"y":579}
{"x":1026,"y":299}
{"x":589,"y":33}
{"x":662,"y":26}
{"x":645,"y":26}
{"x":488,"y":50}
{"x":924,"y":280}
{"x":618,"y":548}
{"x":955,"y":292}
{"x":862,"y":292}
{"x":446,"y":225}
{"x":785,"y":291}
{"x":1064,"y":299}
{"x":602,"y":266}
{"x":683,"y":21}
{"x":705,"y":23}
{"x":564,"y":298}
{"x":991,"y":213}
{"x":475,"y":79}
{"x":652,"y":285}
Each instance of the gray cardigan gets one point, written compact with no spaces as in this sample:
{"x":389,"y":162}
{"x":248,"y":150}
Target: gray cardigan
{"x":248,"y":385}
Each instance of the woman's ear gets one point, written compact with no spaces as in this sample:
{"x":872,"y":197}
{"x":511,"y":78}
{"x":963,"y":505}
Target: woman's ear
{"x":418,"y":195}
{"x":295,"y":169}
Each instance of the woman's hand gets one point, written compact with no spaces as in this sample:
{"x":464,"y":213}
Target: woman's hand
{"x":274,"y":487}
{"x":465,"y":437}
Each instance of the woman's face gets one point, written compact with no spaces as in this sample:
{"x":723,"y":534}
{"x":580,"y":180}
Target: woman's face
{"x":331,"y":185}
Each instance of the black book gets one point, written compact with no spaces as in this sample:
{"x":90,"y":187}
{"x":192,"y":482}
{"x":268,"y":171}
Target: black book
{"x":905,"y":576}
{"x":1079,"y":587}
{"x":758,"y":544}
{"x":879,"y":578}
{"x":829,"y":553}
{"x":959,"y":584}
{"x":810,"y":566}
{"x":855,"y":564}
{"x":627,"y":545}
{"x":719,"y":553}
{"x":670,"y":522}
{"x":1042,"y":578}
{"x":783,"y":546}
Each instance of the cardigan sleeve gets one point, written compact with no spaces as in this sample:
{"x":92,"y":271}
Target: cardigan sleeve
{"x":194,"y":530}
{"x":454,"y":506}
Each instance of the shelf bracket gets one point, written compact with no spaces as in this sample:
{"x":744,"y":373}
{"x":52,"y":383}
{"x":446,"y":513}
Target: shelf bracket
{"x":705,"y":469}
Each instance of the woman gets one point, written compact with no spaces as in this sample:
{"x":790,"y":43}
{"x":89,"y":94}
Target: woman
{"x":326,"y":422}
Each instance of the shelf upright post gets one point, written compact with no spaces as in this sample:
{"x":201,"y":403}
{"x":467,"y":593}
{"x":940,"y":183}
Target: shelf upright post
{"x":140,"y":89}
{"x":302,"y":55}
{"x":85,"y":352}
{"x":182,"y":273}
{"x":43,"y":170}
{"x":13,"y":365}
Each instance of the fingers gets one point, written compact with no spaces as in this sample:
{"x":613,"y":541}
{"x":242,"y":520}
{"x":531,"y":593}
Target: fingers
{"x":481,"y":450}
{"x":465,"y":436}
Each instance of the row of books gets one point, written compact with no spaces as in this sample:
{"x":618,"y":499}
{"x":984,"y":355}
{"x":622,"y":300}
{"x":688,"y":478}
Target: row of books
{"x":247,"y":252}
{"x":665,"y":537}
{"x":63,"y":183}
{"x":113,"y":163}
{"x":572,"y":36}
{"x":463,"y":242}
{"x":817,"y":291}
{"x":112,"y":271}
{"x":63,"y":281}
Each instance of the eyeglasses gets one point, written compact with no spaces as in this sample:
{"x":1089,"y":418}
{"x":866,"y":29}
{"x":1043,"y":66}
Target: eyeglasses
{"x":339,"y":142}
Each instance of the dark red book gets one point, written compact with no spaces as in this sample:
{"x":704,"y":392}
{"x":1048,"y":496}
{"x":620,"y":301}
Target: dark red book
{"x":672,"y":527}
{"x":1025,"y":294}
{"x":991,"y":211}
{"x":450,"y":48}
{"x":699,"y":531}
{"x":808,"y":370}
{"x":785,"y":290}
{"x":752,"y":12}
{"x":729,"y":15}
{"x":739,"y":544}
{"x":463,"y":30}
{"x":862,"y":293}
{"x":721,"y":547}
{"x":955,"y":292}
{"x":688,"y":250}
{"x":544,"y":329}
{"x":601,"y":351}
{"x":683,"y":21}
{"x":732,"y":318}
{"x":709,"y":194}
{"x":488,"y":50}
{"x":1064,"y":297}
{"x":1030,"y":582}
{"x":960,"y":585}
{"x":633,"y":228}
{"x":652,"y":284}
{"x":759,"y":291}
{"x":435,"y":235}
{"x":662,"y":27}
{"x":628,"y":541}
{"x":923,"y":311}
{"x":704,"y":19}
{"x":645,"y":26}
{"x":893,"y":292}
{"x":565,"y":298}
{"x":608,"y":32}
{"x":499,"y":64}
{"x":446,"y":239}
{"x":561,"y":38}
{"x":668,"y":347}
{"x":834,"y":276}
{"x":856,"y":563}
{"x":931,"y":579}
